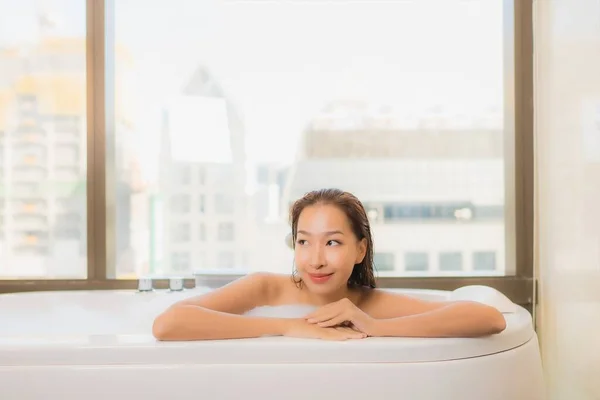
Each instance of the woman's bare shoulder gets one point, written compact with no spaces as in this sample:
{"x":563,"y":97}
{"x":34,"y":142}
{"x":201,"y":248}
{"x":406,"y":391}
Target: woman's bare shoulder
{"x":278,"y":286}
{"x":243,"y":294}
{"x":381,"y":303}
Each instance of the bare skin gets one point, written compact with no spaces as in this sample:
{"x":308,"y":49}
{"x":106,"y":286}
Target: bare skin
{"x":325,"y":253}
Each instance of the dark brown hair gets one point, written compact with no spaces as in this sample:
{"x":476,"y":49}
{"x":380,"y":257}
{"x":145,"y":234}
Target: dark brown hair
{"x":362,"y":274}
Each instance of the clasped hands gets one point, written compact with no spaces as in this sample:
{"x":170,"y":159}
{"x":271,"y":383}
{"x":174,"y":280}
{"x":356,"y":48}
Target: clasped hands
{"x":343,"y":316}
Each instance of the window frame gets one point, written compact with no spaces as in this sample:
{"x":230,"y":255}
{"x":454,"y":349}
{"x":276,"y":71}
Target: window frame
{"x":519,"y":169}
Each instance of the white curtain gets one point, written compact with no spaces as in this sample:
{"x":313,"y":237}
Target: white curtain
{"x":567,"y":115}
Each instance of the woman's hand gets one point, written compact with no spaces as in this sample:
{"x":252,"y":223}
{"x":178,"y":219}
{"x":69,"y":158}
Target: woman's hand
{"x":342,"y":313}
{"x":299,"y":328}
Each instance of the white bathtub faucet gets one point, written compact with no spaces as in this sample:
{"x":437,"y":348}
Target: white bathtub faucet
{"x":145,"y":285}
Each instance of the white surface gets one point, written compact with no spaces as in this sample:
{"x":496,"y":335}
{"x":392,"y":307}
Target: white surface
{"x":98,"y":344}
{"x":514,"y":375}
{"x":567,"y":180}
{"x":115,"y":328}
{"x":485,"y":295}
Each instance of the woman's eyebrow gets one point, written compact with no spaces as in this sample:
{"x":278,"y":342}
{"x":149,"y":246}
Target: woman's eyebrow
{"x":328,"y":233}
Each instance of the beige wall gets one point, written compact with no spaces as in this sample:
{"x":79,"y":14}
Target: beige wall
{"x":567,"y":103}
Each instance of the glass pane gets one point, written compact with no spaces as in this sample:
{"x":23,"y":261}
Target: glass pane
{"x":484,"y":261}
{"x":450,"y":262}
{"x":405,"y":112}
{"x":383,"y":261}
{"x":43,"y":231}
{"x":416,"y":262}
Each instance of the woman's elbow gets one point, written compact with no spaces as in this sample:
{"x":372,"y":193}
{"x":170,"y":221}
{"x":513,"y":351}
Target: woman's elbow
{"x":497,"y":322}
{"x":484,"y":320}
{"x":163,"y":327}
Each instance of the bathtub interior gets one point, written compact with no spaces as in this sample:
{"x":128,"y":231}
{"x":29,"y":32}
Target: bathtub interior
{"x":132,"y":312}
{"x":113,"y":311}
{"x":84,"y":312}
{"x":114,"y":327}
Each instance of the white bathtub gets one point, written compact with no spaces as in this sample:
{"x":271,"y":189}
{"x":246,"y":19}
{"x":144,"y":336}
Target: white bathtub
{"x":97,"y":345}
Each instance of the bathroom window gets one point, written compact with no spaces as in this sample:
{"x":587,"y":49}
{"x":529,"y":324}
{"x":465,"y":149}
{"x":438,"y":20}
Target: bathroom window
{"x":429,"y":165}
{"x":484,"y":261}
{"x":451,"y":261}
{"x":416,"y":261}
{"x":424,"y":172}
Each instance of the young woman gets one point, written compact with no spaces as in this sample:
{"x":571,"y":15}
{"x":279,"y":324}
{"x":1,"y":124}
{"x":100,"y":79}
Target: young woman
{"x":333,"y":254}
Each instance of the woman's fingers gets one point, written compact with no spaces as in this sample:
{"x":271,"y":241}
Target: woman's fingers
{"x":350,"y":333}
{"x":323,"y":316}
{"x":335,"y":321}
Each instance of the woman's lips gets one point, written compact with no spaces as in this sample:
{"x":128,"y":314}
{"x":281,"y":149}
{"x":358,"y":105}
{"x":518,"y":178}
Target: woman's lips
{"x":320,"y":278}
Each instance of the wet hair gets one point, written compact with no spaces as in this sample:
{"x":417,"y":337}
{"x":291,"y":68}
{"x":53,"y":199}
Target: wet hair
{"x":363,"y":272}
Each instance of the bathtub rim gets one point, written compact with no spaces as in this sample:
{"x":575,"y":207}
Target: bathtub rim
{"x":136,"y":349}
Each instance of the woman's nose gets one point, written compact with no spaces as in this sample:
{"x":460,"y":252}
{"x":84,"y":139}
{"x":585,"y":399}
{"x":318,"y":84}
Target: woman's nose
{"x":317,"y":257}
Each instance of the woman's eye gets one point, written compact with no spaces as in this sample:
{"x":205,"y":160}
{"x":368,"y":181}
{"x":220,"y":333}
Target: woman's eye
{"x":333,"y":243}
{"x":300,"y":242}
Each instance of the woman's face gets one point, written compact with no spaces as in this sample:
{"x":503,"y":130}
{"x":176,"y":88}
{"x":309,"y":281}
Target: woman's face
{"x":326,"y":248}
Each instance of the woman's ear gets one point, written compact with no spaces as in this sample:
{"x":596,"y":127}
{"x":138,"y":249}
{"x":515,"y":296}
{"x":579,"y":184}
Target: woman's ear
{"x":362,"y":251}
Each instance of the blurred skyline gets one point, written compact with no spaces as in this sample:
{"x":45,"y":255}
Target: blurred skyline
{"x":228,"y":111}
{"x":418,"y":56}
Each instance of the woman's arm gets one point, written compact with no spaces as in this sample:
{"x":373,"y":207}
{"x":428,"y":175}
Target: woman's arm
{"x":460,"y":319}
{"x":216,"y":315}
{"x":187,"y":322}
{"x":400,"y":315}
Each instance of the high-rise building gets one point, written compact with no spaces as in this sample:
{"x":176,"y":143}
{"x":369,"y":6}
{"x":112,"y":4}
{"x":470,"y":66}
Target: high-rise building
{"x":43,"y":160}
{"x":200,"y":216}
{"x":432,"y":184}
